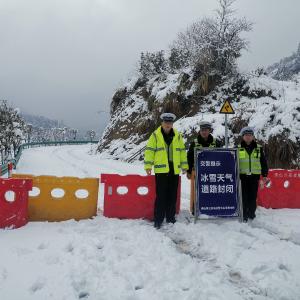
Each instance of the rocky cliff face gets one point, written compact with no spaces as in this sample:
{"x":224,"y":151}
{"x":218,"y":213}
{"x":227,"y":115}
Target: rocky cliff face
{"x":271,"y":106}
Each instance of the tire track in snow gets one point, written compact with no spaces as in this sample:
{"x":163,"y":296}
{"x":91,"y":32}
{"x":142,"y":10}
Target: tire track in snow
{"x":60,"y":155}
{"x":91,"y":161}
{"x":293,"y":238}
{"x":247,"y":288}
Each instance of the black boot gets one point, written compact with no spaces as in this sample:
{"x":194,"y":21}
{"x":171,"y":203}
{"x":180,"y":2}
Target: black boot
{"x":173,"y":221}
{"x":157,"y":225}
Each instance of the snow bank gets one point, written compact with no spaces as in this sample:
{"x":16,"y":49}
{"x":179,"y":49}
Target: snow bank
{"x":128,"y":259}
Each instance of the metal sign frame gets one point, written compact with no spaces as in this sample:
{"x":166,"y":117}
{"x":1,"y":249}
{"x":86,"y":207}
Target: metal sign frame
{"x":234,"y":151}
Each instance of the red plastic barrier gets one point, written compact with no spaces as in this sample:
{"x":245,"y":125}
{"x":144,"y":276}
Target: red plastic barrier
{"x":14,"y":210}
{"x":131,"y":205}
{"x":283,"y":190}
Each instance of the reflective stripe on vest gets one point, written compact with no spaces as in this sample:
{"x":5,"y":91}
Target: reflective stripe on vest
{"x":199,"y":146}
{"x":170,"y":149}
{"x":159,"y":166}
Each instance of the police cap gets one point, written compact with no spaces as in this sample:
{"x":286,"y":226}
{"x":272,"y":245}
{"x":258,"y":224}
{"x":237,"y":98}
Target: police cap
{"x":205,"y":125}
{"x":168,"y":117}
{"x":247,"y":130}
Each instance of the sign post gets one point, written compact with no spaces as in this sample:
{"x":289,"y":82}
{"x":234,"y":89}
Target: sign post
{"x":226,"y":109}
{"x":218,"y":192}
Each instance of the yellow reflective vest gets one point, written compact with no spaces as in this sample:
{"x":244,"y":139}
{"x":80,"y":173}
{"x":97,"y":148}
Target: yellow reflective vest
{"x":199,"y":146}
{"x":250,"y":164}
{"x":157,"y":156}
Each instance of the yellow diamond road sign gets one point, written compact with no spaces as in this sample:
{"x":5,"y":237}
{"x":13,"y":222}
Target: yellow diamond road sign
{"x":226,"y":108}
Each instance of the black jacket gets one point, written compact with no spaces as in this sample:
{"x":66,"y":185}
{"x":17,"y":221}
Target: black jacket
{"x":168,"y":137}
{"x":201,"y":141}
{"x":263,"y":161}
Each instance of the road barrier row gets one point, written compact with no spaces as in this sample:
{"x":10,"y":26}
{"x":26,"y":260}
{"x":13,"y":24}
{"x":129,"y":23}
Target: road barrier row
{"x":51,"y":198}
{"x":26,"y":197}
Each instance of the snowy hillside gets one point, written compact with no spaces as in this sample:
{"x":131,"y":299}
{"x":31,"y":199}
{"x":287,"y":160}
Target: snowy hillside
{"x":193,"y":78}
{"x":40,"y":121}
{"x":41,"y":129}
{"x":286,"y":69}
{"x":128,"y":259}
{"x":271,"y":106}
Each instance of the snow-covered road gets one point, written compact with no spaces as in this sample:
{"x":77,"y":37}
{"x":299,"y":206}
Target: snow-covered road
{"x":126,"y":259}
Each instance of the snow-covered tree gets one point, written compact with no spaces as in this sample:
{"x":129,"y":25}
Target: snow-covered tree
{"x":91,"y":134}
{"x":213,"y":44}
{"x":152,"y":63}
{"x":178,"y":59}
{"x":12,"y":129}
{"x":41,"y":134}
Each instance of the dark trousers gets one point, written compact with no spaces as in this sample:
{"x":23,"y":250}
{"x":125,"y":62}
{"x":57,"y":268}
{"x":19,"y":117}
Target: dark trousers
{"x":249,"y":194}
{"x":166,"y":196}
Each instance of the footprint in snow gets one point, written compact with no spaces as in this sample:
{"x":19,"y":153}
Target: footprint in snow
{"x":38,"y":285}
{"x":235,"y":276}
{"x":83,"y":295}
{"x":42,"y":246}
{"x":260,"y":269}
{"x":70,"y":248}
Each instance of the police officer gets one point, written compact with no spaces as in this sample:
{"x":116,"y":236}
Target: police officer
{"x":165,"y":151}
{"x":252,"y":164}
{"x":204,"y":139}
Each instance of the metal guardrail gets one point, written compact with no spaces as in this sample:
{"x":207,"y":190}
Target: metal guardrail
{"x":136,"y":154}
{"x":15,"y":160}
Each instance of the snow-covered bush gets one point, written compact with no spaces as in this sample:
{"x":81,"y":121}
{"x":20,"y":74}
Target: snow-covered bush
{"x":12,"y":128}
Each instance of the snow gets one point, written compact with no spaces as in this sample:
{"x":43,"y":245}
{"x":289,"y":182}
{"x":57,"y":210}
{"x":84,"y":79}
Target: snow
{"x":268,"y":116}
{"x":186,"y":125}
{"x":285,"y":110}
{"x":271,"y":106}
{"x":106,"y":258}
{"x":161,"y":89}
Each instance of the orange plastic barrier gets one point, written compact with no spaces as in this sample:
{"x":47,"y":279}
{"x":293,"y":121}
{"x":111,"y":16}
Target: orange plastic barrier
{"x":131,"y":196}
{"x":14,"y":202}
{"x":62,"y":198}
{"x":283,"y":191}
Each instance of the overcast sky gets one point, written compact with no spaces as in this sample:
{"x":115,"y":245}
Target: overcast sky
{"x":64,"y":58}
